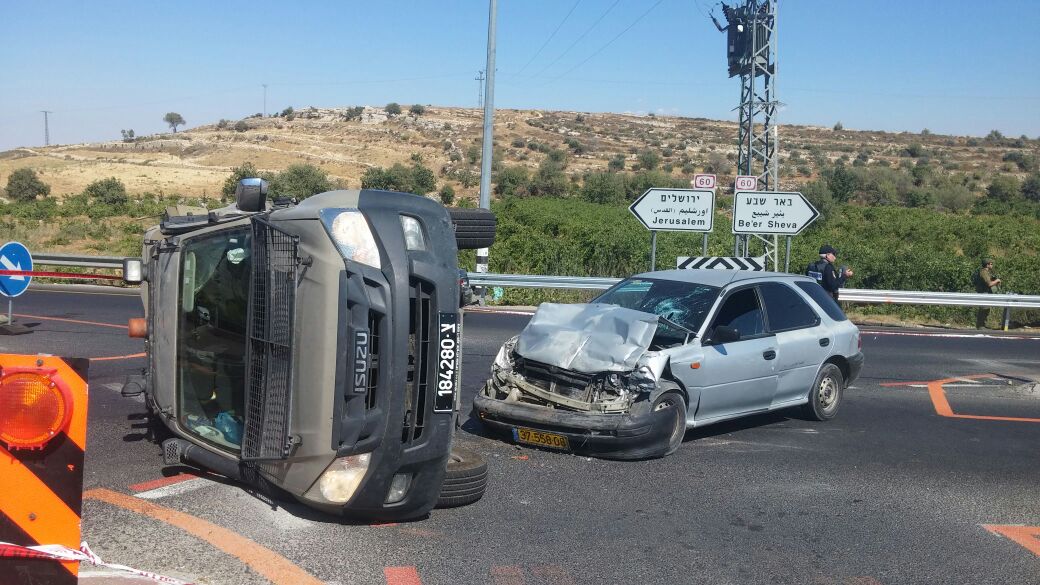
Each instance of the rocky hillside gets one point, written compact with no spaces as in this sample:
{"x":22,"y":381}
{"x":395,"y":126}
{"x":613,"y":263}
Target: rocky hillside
{"x":345,"y":142}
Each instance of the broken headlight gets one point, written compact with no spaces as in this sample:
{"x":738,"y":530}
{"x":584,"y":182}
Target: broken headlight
{"x":352,"y":235}
{"x":504,"y":359}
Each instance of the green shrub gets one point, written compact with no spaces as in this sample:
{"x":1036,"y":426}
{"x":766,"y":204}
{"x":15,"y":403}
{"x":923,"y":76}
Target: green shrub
{"x":1004,"y":188}
{"x":417,"y":110}
{"x":110,"y":191}
{"x":301,"y":181}
{"x":246,"y":170}
{"x":447,"y":194}
{"x":649,"y":160}
{"x":415,"y":179}
{"x":511,"y":181}
{"x":24,"y":185}
{"x":392,"y":109}
{"x":603,"y":188}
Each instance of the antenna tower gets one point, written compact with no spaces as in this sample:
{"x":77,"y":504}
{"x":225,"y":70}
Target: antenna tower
{"x":752,"y":54}
{"x":46,"y":128}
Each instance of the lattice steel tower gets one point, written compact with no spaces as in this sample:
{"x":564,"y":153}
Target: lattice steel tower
{"x":751,"y":52}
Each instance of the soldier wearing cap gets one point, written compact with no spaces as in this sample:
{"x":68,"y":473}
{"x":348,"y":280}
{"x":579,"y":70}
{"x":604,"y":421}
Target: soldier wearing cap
{"x":825,"y":273}
{"x":985,"y":282}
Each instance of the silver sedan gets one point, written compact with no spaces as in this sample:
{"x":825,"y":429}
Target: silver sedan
{"x":659,"y":353}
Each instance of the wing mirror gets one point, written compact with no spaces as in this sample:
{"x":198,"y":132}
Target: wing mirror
{"x":133,"y":271}
{"x":723,"y":334}
{"x":251,"y":195}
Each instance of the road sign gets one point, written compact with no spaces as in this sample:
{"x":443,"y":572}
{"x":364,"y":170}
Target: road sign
{"x":703,"y":182}
{"x":771,"y":212}
{"x":14,"y":256}
{"x":675,"y":210}
{"x":720,"y":263}
{"x":745,"y":183}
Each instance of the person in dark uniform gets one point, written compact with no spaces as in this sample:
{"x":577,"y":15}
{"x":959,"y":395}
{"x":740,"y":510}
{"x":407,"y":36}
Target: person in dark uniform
{"x":823,"y":270}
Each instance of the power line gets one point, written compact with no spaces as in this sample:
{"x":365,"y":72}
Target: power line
{"x":556,"y":30}
{"x":608,"y":43}
{"x":578,"y":40}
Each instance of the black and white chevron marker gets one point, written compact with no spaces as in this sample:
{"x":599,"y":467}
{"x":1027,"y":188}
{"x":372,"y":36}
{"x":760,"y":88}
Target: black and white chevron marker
{"x":720,"y":263}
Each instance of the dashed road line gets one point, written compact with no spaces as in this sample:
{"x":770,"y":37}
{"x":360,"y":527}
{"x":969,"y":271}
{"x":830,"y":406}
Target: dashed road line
{"x":401,"y":576}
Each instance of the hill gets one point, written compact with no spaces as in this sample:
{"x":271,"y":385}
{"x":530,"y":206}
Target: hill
{"x":346,"y":142}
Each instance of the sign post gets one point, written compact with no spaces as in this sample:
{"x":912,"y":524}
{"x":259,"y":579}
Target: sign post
{"x":674,"y":210}
{"x":14,"y":256}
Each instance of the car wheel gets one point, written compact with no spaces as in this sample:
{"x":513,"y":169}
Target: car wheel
{"x":825,"y":394}
{"x":673,"y":399}
{"x":465,"y":481}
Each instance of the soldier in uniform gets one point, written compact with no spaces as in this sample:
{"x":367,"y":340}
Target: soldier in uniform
{"x":825,"y":273}
{"x":985,"y":282}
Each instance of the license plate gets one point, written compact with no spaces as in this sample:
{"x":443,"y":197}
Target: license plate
{"x":540,"y":438}
{"x":448,"y":362}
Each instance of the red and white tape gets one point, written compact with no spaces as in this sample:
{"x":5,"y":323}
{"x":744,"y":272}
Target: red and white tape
{"x":58,"y":552}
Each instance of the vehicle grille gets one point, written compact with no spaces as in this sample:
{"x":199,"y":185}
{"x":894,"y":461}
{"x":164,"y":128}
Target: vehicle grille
{"x":420,"y":329}
{"x":269,"y":349}
{"x":556,"y":380}
{"x":374,"y":324}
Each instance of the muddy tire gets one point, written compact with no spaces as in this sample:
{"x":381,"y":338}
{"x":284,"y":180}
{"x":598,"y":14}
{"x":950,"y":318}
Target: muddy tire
{"x":825,"y":394}
{"x":673,"y":399}
{"x":465,"y":481}
{"x":474,"y":228}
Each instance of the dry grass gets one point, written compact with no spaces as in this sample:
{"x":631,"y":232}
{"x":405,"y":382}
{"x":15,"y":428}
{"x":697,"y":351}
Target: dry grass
{"x":196,"y":162}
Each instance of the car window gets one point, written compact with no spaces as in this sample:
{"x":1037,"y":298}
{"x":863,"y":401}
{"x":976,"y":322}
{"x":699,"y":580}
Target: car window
{"x":684,"y":303}
{"x":822,"y":299}
{"x":785,"y":308}
{"x":742,"y":312}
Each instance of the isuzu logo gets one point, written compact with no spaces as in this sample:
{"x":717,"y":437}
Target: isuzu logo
{"x":361,"y":361}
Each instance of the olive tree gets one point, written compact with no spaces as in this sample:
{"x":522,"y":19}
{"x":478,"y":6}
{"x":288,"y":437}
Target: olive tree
{"x":174,"y":119}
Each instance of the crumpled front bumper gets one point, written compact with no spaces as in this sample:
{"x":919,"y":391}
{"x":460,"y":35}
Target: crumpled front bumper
{"x":610,"y":436}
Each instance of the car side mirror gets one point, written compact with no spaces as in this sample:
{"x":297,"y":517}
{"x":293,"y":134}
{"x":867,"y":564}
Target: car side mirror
{"x":133,"y":271}
{"x":251,"y":195}
{"x":723,"y":334}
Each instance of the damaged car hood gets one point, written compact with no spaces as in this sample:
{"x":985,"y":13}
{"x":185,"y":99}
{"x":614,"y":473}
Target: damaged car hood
{"x":587,"y":338}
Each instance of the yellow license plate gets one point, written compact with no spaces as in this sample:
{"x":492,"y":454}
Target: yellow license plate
{"x":540,"y":438}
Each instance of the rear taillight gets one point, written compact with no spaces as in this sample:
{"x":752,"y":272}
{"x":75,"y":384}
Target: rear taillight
{"x":34,"y":408}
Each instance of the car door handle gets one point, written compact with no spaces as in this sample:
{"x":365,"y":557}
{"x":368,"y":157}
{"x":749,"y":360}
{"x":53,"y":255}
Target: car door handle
{"x":825,"y":342}
{"x":769,"y":354}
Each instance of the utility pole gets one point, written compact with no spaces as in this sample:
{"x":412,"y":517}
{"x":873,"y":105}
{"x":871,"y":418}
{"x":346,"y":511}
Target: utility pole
{"x":489,"y":118}
{"x":265,"y":99}
{"x":46,"y":128}
{"x":751,"y":31}
{"x":480,"y":88}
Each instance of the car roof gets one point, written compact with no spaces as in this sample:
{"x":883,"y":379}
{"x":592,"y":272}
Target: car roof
{"x":719,"y":278}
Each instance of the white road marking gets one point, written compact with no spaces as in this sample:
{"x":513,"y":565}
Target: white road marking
{"x":178,"y":488}
{"x":950,"y":335}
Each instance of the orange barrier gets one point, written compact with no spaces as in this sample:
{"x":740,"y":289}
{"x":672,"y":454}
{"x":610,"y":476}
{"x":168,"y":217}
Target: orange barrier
{"x":43,"y":433}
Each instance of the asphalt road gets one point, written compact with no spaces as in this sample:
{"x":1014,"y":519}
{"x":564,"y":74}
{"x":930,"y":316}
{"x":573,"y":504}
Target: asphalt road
{"x":888,"y":492}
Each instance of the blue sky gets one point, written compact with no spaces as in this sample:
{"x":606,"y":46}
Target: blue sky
{"x":954,"y":67}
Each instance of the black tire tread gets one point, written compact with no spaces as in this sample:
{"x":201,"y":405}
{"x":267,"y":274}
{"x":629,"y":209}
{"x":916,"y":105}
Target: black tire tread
{"x":465,"y":480}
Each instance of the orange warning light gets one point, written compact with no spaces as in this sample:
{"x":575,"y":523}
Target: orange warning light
{"x":34,"y":408}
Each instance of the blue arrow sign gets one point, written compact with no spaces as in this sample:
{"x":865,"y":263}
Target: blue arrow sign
{"x":14,"y":256}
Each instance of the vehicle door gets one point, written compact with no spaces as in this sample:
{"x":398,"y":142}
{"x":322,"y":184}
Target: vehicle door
{"x":739,"y":376}
{"x":801,"y":338}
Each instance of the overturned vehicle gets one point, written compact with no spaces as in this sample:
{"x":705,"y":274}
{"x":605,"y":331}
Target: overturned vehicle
{"x":311,"y":349}
{"x":626,"y":375}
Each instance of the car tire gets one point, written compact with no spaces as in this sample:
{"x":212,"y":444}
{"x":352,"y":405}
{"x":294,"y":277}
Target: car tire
{"x":826,"y":394}
{"x":474,"y":228}
{"x":465,"y":480}
{"x":673,"y":399}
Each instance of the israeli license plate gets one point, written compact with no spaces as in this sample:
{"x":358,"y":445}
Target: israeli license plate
{"x":448,"y":362}
{"x":540,"y":438}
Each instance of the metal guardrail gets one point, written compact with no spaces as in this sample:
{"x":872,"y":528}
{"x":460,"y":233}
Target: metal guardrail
{"x":854,"y":295}
{"x":48,"y":259}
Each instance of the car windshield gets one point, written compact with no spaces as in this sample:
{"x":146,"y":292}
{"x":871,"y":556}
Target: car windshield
{"x":685,"y":304}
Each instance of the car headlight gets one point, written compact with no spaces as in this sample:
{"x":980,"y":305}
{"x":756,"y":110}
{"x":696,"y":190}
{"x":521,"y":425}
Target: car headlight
{"x":340,"y":479}
{"x":352,"y":235}
{"x":413,"y":233}
{"x":504,"y":359}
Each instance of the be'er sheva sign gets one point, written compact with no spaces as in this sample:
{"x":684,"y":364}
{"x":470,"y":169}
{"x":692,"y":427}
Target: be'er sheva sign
{"x":689,"y":210}
{"x":771,"y":212}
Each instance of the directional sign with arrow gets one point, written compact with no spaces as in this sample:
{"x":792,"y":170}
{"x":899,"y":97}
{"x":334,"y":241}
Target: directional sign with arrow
{"x":675,"y":210}
{"x":771,"y":212}
{"x":14,"y":256}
